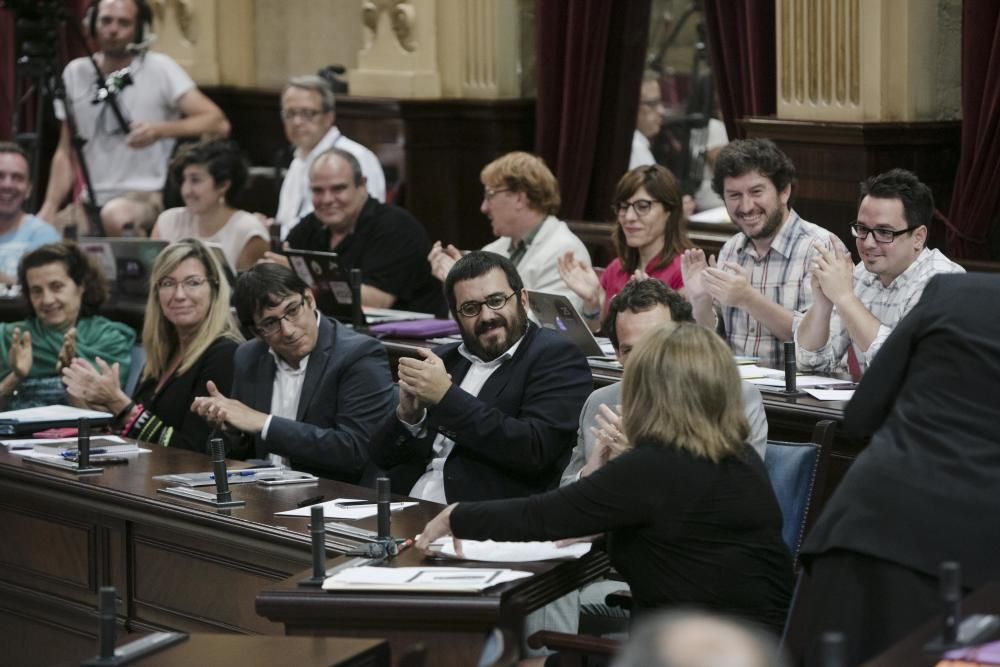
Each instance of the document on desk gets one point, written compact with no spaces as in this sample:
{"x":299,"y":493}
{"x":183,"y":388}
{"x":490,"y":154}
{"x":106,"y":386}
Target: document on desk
{"x":509,"y":552}
{"x":420,"y":579}
{"x":801,"y":381}
{"x":333,"y":509}
{"x":48,"y":413}
{"x":753,"y":371}
{"x":829,"y":394}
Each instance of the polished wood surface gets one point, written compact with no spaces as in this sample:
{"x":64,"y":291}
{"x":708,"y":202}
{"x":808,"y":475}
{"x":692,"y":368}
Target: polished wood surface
{"x":176,"y":564}
{"x":909,"y":652}
{"x":260,"y":651}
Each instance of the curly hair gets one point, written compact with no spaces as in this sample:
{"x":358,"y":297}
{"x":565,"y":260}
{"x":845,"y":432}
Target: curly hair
{"x":527,"y":173}
{"x":746,"y":155}
{"x":79,"y":268}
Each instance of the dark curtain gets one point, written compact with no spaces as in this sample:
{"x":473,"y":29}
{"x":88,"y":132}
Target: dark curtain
{"x":975,"y":200}
{"x":590,"y":56}
{"x":741,"y":41}
{"x":69,"y":48}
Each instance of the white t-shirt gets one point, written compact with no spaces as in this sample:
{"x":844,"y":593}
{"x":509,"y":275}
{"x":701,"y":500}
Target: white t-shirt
{"x":175,"y":224}
{"x":158,"y":84}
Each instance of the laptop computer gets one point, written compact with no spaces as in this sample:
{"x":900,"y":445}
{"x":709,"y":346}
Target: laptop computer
{"x":331,"y":284}
{"x":556,"y":312}
{"x":127,"y":264}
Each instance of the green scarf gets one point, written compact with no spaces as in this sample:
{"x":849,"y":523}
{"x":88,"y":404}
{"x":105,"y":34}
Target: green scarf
{"x":95,"y":337}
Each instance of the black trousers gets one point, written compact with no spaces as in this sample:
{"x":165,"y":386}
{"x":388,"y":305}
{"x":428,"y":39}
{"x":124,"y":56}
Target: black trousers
{"x":873,"y":602}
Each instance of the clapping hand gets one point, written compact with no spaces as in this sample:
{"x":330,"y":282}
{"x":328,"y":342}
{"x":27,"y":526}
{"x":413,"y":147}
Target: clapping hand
{"x":729,"y":286}
{"x":832,"y":272}
{"x":581,"y":278}
{"x":20,"y":355}
{"x":442,"y":258}
{"x":422,"y":383}
{"x":98,"y":388}
{"x":67,"y":351}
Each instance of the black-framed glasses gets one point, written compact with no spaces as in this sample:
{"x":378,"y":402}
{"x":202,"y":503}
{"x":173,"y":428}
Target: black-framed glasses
{"x":272,"y":324}
{"x":493,"y":302}
{"x":641,"y":206}
{"x":190,"y":284}
{"x":859,"y":231}
{"x":304,"y":114}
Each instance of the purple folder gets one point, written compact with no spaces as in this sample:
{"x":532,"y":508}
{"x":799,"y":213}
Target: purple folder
{"x":421,"y":329}
{"x":984,"y":654}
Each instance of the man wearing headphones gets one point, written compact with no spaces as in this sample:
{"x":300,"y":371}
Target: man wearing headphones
{"x":129,"y":116}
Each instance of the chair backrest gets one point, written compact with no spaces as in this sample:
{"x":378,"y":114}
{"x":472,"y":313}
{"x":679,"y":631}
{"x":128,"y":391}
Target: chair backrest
{"x":791,"y":466}
{"x":138,"y":361}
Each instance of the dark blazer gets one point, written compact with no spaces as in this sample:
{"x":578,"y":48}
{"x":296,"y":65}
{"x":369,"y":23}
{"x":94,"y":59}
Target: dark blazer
{"x":172,"y":404}
{"x":347,"y":393}
{"x":514,"y":439}
{"x":927,"y":487}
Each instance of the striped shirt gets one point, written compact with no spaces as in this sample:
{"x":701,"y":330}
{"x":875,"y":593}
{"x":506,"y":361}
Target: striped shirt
{"x":888,"y":304}
{"x":781,"y":275}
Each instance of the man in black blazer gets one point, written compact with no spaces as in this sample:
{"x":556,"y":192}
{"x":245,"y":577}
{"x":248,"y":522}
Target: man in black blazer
{"x":494,"y":416}
{"x":925,"y":489}
{"x":307,"y":391}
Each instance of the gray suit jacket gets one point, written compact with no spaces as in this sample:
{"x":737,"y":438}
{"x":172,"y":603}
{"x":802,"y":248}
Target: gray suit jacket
{"x":347,"y":393}
{"x":753,"y":404}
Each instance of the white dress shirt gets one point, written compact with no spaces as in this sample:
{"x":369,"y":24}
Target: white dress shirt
{"x":430,"y":486}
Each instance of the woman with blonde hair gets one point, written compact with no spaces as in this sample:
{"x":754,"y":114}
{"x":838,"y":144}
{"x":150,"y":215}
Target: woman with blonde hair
{"x":189,"y":335}
{"x":691,"y":514}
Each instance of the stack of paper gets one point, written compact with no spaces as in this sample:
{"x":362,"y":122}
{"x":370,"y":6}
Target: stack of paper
{"x":345,"y":508}
{"x":510,"y":552}
{"x":427,"y":579}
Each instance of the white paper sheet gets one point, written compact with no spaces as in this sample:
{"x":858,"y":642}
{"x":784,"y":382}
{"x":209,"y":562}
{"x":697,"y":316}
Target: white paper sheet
{"x":510,"y":552}
{"x":448,"y":579}
{"x":331,"y":511}
{"x":830,"y":394}
{"x":53,"y":413}
{"x":801,"y":381}
{"x":748,"y":371}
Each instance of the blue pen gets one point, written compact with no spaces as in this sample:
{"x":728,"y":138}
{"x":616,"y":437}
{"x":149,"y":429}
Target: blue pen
{"x":73,"y":454}
{"x":237,"y":473}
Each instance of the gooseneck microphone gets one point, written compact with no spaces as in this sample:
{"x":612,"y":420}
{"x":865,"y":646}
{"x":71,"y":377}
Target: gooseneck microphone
{"x":382,"y":499}
{"x":218,"y":451}
{"x":790,"y":384}
{"x":83,"y":443}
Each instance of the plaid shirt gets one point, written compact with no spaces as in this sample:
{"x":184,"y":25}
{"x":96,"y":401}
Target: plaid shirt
{"x":781,"y":275}
{"x":888,"y":304}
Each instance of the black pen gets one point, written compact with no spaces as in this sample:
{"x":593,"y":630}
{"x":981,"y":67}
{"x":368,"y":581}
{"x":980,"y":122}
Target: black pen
{"x":355,"y":503}
{"x":310,"y":501}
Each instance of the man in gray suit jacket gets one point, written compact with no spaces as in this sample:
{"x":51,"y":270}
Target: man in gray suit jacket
{"x":637,"y":309}
{"x":307,"y":391}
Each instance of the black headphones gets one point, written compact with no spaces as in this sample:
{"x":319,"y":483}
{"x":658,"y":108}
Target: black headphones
{"x":144,"y":17}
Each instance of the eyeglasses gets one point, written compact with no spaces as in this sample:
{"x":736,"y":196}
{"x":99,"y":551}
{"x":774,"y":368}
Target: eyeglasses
{"x":272,"y":324}
{"x":304,"y":114}
{"x":493,"y":302}
{"x":641,"y":206}
{"x":489,"y":193}
{"x":881,"y":235}
{"x":190,"y":284}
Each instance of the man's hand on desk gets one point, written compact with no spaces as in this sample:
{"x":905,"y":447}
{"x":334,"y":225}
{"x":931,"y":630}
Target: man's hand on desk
{"x":436,"y":528}
{"x":218,"y":410}
{"x":422,"y":383}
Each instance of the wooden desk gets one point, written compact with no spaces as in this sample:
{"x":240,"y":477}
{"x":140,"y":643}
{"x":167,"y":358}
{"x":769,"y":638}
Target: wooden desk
{"x":175,"y":564}
{"x":450,"y":626}
{"x":909,"y":652}
{"x":259,"y":651}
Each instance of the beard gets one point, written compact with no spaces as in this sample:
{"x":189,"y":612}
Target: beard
{"x":514,"y":331}
{"x":770,"y":225}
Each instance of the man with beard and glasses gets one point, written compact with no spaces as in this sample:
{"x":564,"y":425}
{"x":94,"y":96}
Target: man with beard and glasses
{"x":494,"y":416}
{"x":761,"y":280}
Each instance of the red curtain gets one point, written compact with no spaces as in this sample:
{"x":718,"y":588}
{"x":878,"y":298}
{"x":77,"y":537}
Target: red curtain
{"x":976,"y":198}
{"x":590,"y":56}
{"x":741,"y":41}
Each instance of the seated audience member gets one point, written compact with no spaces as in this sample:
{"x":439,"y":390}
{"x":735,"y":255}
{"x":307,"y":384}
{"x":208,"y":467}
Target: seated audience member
{"x":697,"y":639}
{"x":20,"y":232}
{"x":857,"y":307}
{"x":690,"y":510}
{"x":211,"y":175}
{"x":189,"y":336}
{"x":493,"y":416}
{"x":649,"y":239}
{"x":762,"y":278}
{"x":64,"y":291}
{"x":521,"y":199}
{"x":924,"y":489}
{"x":640,"y":307}
{"x":159,"y":103}
{"x":307,"y":109}
{"x":308,"y":391}
{"x":384,"y":241}
{"x":648,"y":121}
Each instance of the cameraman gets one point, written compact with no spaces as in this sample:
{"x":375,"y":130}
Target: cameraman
{"x":129,"y":118}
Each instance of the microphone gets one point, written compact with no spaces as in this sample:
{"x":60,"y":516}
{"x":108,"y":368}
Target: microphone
{"x":317,"y":531}
{"x":357,"y":314}
{"x":218,"y":452}
{"x":83,"y":443}
{"x":382,"y":496}
{"x":832,"y":650}
{"x":790,"y":386}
